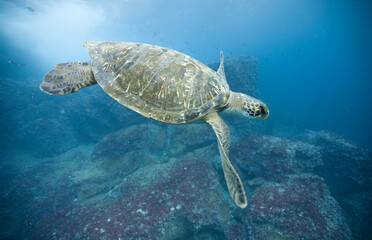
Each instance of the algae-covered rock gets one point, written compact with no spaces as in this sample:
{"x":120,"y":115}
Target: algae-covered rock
{"x":184,"y":139}
{"x":274,"y":158}
{"x":150,"y":204}
{"x":48,"y":137}
{"x":126,"y":150}
{"x":347,"y":167}
{"x":300,"y":208}
{"x":347,"y":170}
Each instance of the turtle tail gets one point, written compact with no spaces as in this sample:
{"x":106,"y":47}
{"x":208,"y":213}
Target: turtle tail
{"x":68,"y":78}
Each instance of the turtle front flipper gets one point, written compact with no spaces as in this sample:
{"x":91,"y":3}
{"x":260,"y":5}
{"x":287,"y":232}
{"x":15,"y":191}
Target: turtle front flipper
{"x":68,"y":78}
{"x":234,"y":184}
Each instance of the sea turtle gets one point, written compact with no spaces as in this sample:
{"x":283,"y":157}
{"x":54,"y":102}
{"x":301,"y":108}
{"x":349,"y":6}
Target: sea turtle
{"x":164,"y":85}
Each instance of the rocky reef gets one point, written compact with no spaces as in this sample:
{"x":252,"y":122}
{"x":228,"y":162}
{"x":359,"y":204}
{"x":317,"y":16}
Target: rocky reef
{"x":126,"y":150}
{"x":109,"y":191}
{"x":176,"y":200}
{"x":347,"y":170}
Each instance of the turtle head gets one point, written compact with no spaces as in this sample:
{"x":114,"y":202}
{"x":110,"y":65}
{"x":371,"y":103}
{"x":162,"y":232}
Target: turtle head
{"x":248,"y":106}
{"x":254,"y":108}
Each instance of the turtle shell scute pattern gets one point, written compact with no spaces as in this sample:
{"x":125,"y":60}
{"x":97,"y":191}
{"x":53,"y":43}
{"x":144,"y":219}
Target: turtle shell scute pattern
{"x":157,"y":82}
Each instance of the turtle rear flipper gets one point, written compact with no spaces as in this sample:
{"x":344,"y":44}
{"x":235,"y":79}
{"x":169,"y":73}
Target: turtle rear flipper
{"x":68,"y":78}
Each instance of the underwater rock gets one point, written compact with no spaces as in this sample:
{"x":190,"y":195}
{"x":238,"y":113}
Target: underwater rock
{"x":300,"y":208}
{"x":26,"y":121}
{"x":180,"y":199}
{"x":35,"y":187}
{"x":347,"y":167}
{"x":184,"y":139}
{"x":47,"y":137}
{"x":347,"y":170}
{"x":126,"y":150}
{"x":273,"y":158}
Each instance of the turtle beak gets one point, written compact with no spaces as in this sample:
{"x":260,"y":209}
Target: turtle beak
{"x":264,"y":111}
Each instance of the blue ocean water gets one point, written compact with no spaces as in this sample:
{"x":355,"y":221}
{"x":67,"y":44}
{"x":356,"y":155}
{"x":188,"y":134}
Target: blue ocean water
{"x":313,"y":60}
